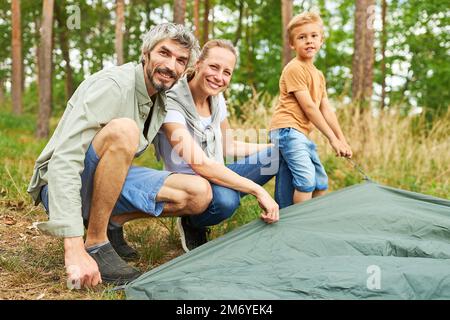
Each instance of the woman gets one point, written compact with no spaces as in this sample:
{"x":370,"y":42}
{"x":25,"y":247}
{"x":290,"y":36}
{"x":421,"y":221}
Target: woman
{"x":193,"y":140}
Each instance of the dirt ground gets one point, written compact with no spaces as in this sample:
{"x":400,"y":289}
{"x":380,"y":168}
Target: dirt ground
{"x":32,"y":263}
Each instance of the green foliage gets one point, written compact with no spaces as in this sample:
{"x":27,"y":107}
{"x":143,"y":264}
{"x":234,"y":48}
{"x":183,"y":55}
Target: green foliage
{"x":417,"y":64}
{"x":418,"y":40}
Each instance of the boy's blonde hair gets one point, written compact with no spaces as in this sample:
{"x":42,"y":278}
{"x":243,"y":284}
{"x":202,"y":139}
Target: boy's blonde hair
{"x":302,"y":19}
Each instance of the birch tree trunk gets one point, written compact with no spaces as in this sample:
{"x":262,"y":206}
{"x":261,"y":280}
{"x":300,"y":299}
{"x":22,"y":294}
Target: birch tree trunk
{"x":45,"y":70}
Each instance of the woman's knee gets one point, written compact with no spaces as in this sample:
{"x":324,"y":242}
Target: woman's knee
{"x":225,"y":201}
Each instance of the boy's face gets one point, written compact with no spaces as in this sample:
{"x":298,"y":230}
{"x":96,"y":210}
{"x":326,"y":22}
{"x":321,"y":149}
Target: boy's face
{"x":307,"y":40}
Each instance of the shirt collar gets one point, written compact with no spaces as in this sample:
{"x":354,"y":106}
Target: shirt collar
{"x":141,"y":88}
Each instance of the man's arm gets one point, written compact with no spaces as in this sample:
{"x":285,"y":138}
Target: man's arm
{"x":315,"y":116}
{"x":331,"y":119}
{"x":92,"y":109}
{"x":95,"y":107}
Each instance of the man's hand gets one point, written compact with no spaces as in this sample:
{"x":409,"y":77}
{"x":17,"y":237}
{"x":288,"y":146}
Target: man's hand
{"x":82,"y":270}
{"x":271,"y":212}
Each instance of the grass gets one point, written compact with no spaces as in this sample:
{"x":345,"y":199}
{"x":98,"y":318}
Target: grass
{"x":403,"y":152}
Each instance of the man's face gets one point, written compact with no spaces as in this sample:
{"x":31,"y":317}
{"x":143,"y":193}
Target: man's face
{"x":307,"y":40}
{"x":164,"y":65}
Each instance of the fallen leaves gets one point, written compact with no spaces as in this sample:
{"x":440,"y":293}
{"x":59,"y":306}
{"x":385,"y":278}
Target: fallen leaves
{"x":15,"y":205}
{"x":8,"y":220}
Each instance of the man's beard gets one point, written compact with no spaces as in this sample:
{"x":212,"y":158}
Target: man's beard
{"x":159,"y":87}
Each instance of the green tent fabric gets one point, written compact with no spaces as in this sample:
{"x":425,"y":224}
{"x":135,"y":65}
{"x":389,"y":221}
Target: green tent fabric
{"x":366,"y":241}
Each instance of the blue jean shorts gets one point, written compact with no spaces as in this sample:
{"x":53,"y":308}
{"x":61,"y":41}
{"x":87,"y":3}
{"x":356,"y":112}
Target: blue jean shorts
{"x":138,"y":192}
{"x":300,"y":155}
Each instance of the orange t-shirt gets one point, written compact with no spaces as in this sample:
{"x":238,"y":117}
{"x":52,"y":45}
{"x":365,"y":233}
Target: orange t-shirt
{"x":297,"y":76}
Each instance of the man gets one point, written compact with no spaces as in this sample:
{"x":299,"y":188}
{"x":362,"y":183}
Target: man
{"x":84,"y":171}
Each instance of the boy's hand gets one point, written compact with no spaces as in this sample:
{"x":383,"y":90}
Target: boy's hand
{"x":338,"y":147}
{"x":348,"y":150}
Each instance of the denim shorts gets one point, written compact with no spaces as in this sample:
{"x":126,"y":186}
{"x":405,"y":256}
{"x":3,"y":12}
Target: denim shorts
{"x":138,"y":192}
{"x":300,"y":155}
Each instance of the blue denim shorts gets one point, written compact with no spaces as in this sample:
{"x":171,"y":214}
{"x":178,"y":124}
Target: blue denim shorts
{"x":138,"y":192}
{"x":300,"y":154}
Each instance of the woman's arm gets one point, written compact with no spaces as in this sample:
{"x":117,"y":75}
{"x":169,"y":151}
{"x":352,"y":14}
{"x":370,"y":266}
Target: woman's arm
{"x":215,"y":172}
{"x":234,"y":148}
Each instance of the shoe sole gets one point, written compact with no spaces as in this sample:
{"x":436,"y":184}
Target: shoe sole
{"x":182,"y":235}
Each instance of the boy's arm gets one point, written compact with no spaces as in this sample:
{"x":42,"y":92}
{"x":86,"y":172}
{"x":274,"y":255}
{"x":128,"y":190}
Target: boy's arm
{"x":315,"y":116}
{"x":331,"y":119}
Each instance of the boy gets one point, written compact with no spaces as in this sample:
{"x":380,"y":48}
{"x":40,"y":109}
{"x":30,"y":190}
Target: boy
{"x":303,"y":105}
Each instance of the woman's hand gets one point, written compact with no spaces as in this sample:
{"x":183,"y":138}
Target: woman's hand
{"x":271,"y":211}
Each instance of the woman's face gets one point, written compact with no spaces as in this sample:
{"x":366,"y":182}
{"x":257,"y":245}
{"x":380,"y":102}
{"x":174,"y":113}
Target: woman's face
{"x":214,"y":73}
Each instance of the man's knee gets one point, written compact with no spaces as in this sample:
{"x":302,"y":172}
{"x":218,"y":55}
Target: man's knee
{"x":119,"y":136}
{"x":199,"y":195}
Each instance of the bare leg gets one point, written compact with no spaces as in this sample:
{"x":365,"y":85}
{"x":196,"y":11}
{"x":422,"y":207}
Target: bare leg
{"x":183,"y":195}
{"x":115,"y":145}
{"x":301,"y":196}
{"x":318,"y":193}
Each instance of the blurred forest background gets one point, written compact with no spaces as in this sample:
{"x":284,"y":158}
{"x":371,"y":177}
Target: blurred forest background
{"x":393,"y":53}
{"x":387,"y":68}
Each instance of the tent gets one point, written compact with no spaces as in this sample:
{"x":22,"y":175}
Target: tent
{"x":366,"y":241}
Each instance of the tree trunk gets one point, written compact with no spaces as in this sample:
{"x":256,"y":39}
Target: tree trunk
{"x":363,"y":56}
{"x":148,"y":20}
{"x":2,"y":92}
{"x":179,"y":11}
{"x":358,"y":53}
{"x":383,"y":54}
{"x":45,"y":69}
{"x":120,"y":21}
{"x":61,"y":17}
{"x":205,"y":22}
{"x":238,"y":34}
{"x":369,"y":51}
{"x":286,"y":16}
{"x":38,"y":52}
{"x":197,"y":19}
{"x":211,"y":22}
{"x":16,"y":46}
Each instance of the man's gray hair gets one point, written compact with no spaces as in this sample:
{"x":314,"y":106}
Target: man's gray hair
{"x":176,"y":32}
